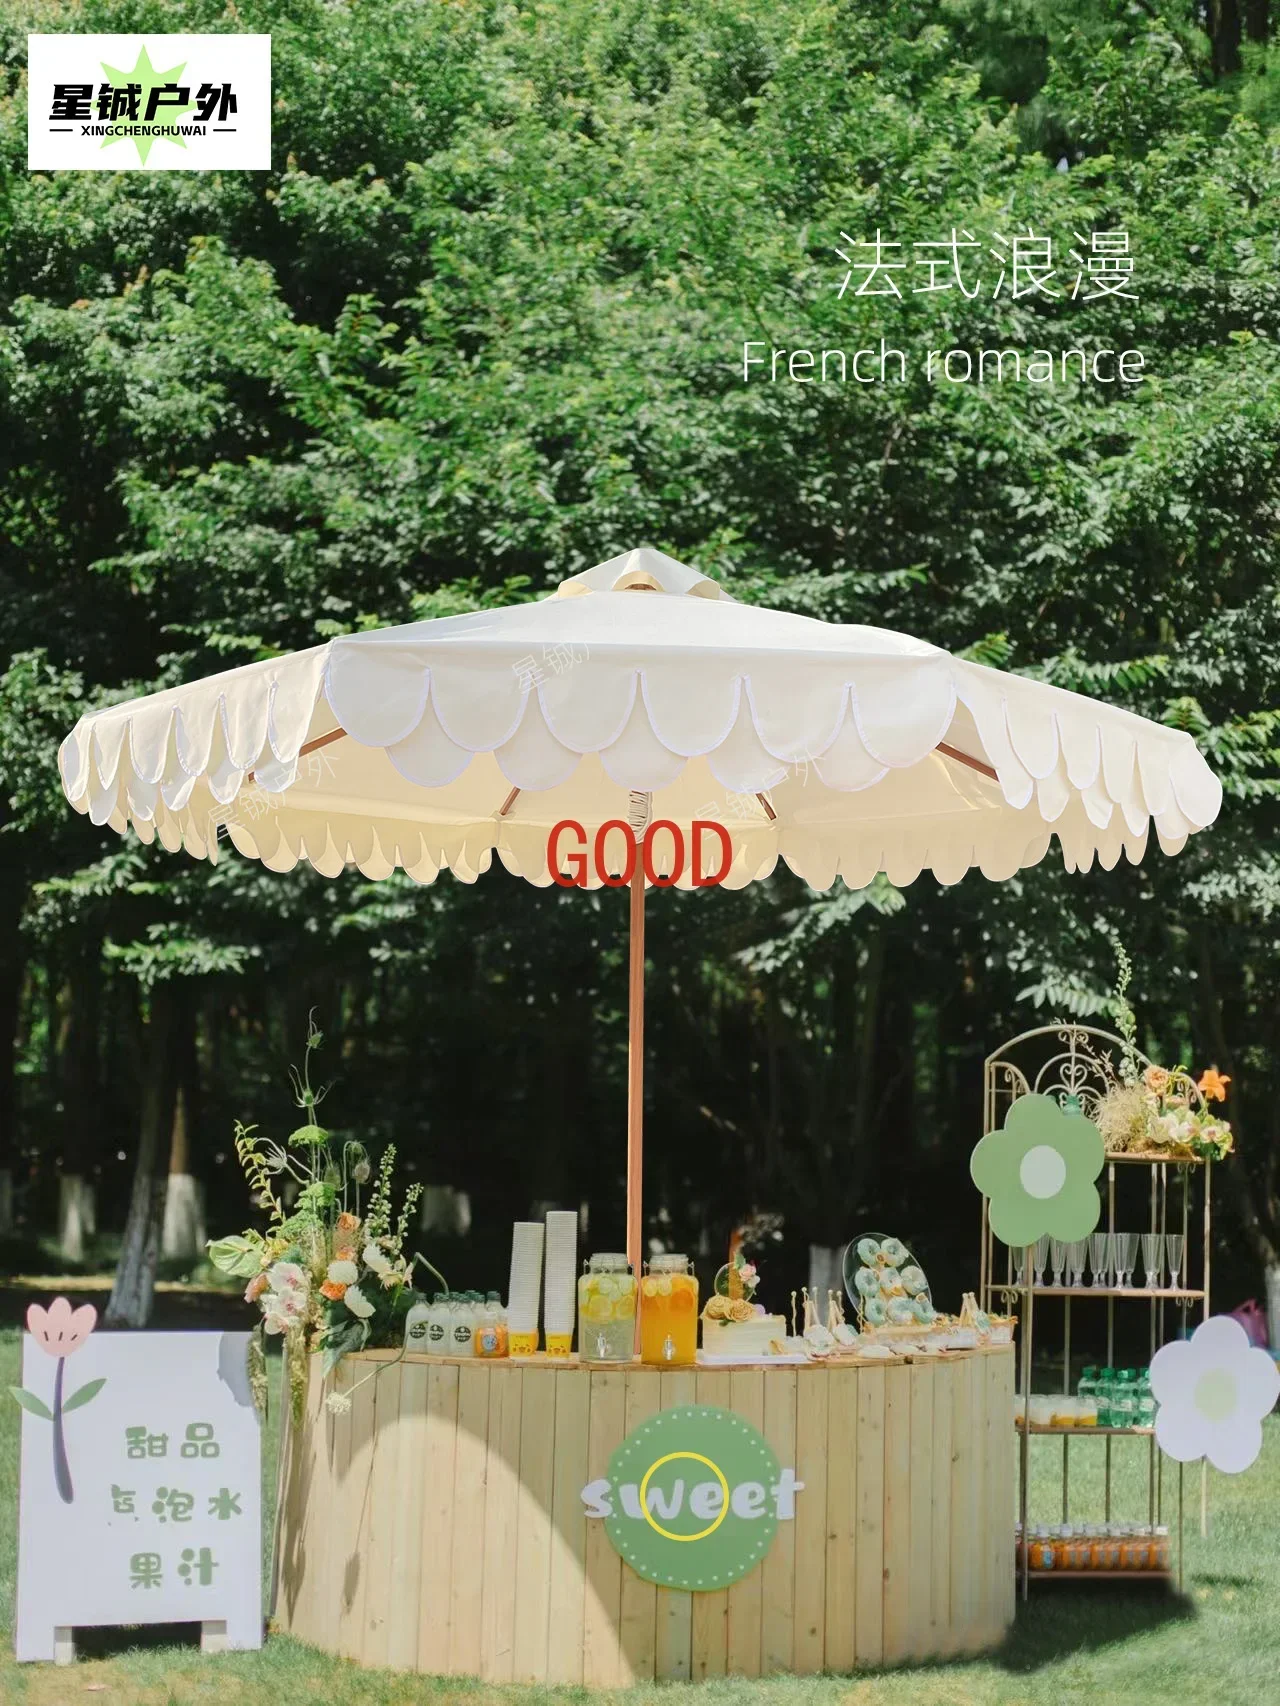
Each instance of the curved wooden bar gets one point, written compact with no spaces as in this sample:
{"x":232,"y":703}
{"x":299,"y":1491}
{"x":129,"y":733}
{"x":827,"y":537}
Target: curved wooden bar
{"x":438,"y":1525}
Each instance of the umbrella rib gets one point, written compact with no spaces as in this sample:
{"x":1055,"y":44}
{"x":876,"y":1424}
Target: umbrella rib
{"x":964,"y":758}
{"x":507,"y":804}
{"x":311,"y":746}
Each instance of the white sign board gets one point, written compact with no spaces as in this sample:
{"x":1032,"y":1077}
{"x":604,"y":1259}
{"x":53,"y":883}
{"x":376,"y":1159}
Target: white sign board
{"x":149,"y":103}
{"x":140,"y":1502}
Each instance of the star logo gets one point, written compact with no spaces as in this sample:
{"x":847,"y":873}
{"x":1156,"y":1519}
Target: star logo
{"x":135,"y":89}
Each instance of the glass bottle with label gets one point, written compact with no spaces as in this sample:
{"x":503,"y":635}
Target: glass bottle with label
{"x":462,"y":1326}
{"x":607,"y":1309}
{"x":669,"y":1312}
{"x":415,"y":1327}
{"x":491,"y":1338}
{"x":438,"y":1326}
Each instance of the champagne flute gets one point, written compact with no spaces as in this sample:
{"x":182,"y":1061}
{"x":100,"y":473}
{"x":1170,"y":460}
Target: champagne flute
{"x":1126,"y":1251}
{"x":1058,"y":1254}
{"x":1076,"y":1253}
{"x":1042,"y":1256}
{"x":1151,"y":1242}
{"x":1174,"y":1245}
{"x":1100,"y":1257}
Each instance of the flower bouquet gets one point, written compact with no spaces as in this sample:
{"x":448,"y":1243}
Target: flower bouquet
{"x":1166,"y":1112}
{"x":327,"y":1276}
{"x":1157,"y":1110}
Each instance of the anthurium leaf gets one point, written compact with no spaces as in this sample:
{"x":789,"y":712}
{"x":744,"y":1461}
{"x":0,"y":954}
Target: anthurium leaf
{"x":30,"y":1402}
{"x":83,"y":1395}
{"x":241,"y":1257}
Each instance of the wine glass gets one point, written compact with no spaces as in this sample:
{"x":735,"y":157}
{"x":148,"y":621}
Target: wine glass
{"x":1151,"y":1242}
{"x":1100,"y":1257}
{"x":1174,"y":1244}
{"x":1058,"y":1255}
{"x":1042,"y":1256}
{"x":1126,"y":1253}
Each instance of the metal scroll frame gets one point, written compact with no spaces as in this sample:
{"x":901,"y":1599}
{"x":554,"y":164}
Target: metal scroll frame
{"x":1073,"y":1071}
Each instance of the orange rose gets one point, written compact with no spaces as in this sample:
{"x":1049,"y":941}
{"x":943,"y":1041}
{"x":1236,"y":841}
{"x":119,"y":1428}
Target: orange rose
{"x":348,"y":1222}
{"x":1156,"y":1079}
{"x":335,"y":1293}
{"x":345,"y":1254}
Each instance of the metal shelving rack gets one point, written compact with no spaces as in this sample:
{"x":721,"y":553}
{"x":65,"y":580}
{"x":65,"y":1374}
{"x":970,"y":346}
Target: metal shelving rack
{"x":1072,"y":1069}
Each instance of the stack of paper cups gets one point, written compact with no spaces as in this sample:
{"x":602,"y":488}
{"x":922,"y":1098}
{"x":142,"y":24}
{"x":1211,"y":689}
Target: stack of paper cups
{"x":524,"y":1286}
{"x":562,"y":1281}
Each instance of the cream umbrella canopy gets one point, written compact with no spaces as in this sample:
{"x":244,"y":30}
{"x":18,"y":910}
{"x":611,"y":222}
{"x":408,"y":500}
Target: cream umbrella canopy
{"x":641,"y":691}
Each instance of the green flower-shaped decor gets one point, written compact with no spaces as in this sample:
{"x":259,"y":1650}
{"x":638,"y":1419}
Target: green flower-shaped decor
{"x":1039,"y":1173}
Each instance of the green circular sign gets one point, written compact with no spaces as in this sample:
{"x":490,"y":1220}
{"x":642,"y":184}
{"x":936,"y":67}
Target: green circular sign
{"x":694,"y":1498}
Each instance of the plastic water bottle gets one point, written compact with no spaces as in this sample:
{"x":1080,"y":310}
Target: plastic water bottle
{"x":1106,"y":1398}
{"x":1145,"y":1416}
{"x":1124,"y":1404}
{"x":1087,"y":1390}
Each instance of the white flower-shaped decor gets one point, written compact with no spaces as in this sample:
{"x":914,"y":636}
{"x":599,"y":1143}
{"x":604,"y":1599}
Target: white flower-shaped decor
{"x":1213,"y":1390}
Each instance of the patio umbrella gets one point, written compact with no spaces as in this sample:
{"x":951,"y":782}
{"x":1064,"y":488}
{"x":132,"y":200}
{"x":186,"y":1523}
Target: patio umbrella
{"x":638,"y":691}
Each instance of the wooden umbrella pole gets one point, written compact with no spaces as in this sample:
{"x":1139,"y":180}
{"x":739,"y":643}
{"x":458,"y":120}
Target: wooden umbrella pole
{"x":635,"y":1076}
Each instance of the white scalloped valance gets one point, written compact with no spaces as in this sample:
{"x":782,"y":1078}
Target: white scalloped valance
{"x":842,"y":750}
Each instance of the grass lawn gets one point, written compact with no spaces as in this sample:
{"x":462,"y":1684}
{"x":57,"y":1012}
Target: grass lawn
{"x":1071,"y":1646}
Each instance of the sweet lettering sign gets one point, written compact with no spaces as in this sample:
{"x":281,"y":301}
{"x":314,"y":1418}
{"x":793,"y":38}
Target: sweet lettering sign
{"x":693,"y":1498}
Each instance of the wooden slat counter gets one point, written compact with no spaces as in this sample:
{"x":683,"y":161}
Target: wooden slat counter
{"x":437,"y":1525}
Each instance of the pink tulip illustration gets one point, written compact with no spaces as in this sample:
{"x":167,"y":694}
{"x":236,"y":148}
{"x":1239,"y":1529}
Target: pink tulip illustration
{"x":60,"y":1330}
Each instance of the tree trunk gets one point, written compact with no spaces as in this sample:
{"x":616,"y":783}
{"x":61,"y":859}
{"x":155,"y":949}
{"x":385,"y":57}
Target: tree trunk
{"x":184,"y":1230}
{"x":862,"y":1160}
{"x":81,"y":1102}
{"x":1257,"y":20}
{"x":183,"y":1236}
{"x":1253,"y":1205}
{"x":11,"y":970}
{"x":134,"y":1288}
{"x":77,"y":1217}
{"x":1224,"y":34}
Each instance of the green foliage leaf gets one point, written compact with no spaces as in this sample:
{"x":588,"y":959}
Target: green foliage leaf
{"x":83,"y":1395}
{"x":29,"y":1401}
{"x":350,"y":1336}
{"x":240,"y":1255}
{"x":309,"y":1136}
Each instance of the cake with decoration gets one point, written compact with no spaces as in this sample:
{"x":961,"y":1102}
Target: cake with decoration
{"x":733,"y":1326}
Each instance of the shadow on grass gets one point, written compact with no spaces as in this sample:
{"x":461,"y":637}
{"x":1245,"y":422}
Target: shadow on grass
{"x":1084,"y":1617}
{"x":111,"y":1642}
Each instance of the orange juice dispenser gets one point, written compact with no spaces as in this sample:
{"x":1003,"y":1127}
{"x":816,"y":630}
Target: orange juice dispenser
{"x":669,"y":1312}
